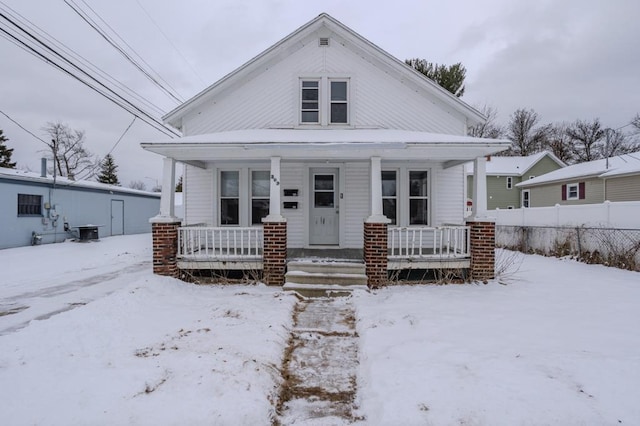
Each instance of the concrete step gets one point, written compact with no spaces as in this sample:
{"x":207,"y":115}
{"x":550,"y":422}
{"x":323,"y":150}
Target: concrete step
{"x":323,"y":290}
{"x":325,"y":278}
{"x":326,"y":267}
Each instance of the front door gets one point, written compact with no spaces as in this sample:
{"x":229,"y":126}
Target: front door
{"x":117,"y":217}
{"x":324,"y":220}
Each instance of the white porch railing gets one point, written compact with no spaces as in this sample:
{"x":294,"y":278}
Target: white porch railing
{"x":222,"y":243}
{"x":428,"y":243}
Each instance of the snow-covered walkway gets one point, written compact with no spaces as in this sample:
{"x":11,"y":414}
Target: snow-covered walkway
{"x":320,"y":364}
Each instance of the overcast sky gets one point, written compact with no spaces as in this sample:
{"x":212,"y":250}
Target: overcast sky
{"x":567,"y":59}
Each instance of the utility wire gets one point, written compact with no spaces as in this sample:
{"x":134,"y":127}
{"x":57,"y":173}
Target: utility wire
{"x":93,"y":24}
{"x":109,"y":94}
{"x":22,"y":127}
{"x":170,"y":42}
{"x":52,"y":40}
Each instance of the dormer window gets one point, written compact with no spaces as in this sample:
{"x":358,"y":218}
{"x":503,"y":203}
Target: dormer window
{"x":324,"y":101}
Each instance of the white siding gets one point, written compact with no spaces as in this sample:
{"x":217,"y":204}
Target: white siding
{"x":292,"y":176}
{"x":448,"y":191}
{"x":198,"y":193}
{"x":269,"y":98}
{"x":356,"y":202}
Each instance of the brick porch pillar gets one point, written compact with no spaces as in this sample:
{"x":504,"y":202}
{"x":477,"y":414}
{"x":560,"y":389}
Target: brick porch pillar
{"x":165,"y":248}
{"x":375,"y":253}
{"x":483,"y":249}
{"x":274,"y":255}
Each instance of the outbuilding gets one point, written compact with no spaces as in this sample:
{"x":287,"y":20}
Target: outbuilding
{"x":37,"y":208}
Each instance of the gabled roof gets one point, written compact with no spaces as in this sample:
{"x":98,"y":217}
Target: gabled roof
{"x":291,"y":42}
{"x":514,"y":166}
{"x":63,"y":183}
{"x":621,"y":164}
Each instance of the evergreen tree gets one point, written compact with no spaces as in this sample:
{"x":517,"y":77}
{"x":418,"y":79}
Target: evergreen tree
{"x":108,"y":171}
{"x":449,"y":77}
{"x":5,"y":153}
{"x":179,"y":185}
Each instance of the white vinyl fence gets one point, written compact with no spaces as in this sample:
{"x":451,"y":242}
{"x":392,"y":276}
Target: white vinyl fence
{"x":620,"y":215}
{"x":607,"y":233}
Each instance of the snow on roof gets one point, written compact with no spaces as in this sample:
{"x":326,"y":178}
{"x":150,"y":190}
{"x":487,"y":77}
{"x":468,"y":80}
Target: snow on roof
{"x":514,"y":166}
{"x":327,"y":136}
{"x":621,"y":164}
{"x":64,"y":182}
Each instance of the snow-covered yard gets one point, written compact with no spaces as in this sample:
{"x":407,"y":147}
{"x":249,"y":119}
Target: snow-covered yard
{"x":90,"y":336}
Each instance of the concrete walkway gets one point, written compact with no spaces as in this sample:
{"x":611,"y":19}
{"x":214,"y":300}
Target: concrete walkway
{"x":320,"y":364}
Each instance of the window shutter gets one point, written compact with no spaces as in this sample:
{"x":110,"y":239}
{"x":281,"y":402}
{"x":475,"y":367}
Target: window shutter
{"x":564,"y":192}
{"x":581,"y":191}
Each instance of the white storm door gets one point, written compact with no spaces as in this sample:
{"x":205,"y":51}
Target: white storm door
{"x":324,"y":218}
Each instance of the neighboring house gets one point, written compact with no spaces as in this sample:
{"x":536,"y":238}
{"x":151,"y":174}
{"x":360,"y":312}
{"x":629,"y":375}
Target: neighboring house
{"x":323,"y":141}
{"x":504,"y":173}
{"x":36,"y":209}
{"x":613,"y":179}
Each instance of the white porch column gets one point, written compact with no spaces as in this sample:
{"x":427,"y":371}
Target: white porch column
{"x":479,"y":188}
{"x":377,"y":215}
{"x":275,"y":214}
{"x":168,"y":191}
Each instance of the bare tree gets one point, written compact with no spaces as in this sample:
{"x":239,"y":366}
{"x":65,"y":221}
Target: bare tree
{"x":69,"y":156}
{"x":559,"y":143}
{"x":617,"y":143}
{"x":636,"y":122}
{"x":587,"y":138}
{"x":488,"y":129}
{"x":526,"y":135}
{"x":138,"y":184}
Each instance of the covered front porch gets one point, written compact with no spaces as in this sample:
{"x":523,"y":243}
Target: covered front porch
{"x":242,"y":248}
{"x":418,"y":225}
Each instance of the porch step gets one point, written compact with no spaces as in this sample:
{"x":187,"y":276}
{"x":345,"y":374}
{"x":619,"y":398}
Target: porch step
{"x":325,"y":278}
{"x":337,"y":267}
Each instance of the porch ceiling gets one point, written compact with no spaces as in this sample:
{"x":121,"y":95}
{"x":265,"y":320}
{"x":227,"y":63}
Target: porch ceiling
{"x":344,"y":144}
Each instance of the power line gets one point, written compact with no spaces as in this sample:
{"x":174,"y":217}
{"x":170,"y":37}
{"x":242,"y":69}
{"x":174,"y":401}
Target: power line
{"x":101,"y":87}
{"x":81,"y":59}
{"x":22,"y":127}
{"x":93,"y":24}
{"x":170,"y":42}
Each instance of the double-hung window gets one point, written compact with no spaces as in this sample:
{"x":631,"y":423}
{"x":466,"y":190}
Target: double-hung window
{"x":509,"y":182}
{"x":390,"y":195}
{"x":310,"y":112}
{"x":29,"y":205}
{"x":572,"y":192}
{"x":339,"y":110}
{"x":260,"y":185}
{"x":418,"y":197}
{"x":229,"y":197}
{"x":324,"y":101}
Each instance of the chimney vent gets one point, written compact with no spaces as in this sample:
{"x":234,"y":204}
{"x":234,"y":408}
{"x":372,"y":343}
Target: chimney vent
{"x":43,"y":167}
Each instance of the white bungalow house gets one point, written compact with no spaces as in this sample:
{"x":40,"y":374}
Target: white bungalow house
{"x":324,"y":142}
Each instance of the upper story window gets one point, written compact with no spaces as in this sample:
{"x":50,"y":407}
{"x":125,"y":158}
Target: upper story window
{"x":310,"y":112}
{"x":324,"y":101}
{"x":339,"y":110}
{"x":509,"y":182}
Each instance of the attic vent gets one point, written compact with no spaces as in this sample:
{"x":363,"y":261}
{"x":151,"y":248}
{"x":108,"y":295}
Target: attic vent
{"x":324,"y":41}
